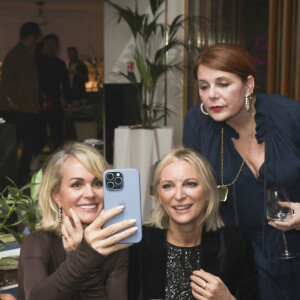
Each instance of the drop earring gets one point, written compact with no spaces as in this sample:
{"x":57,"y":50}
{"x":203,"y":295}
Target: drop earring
{"x":247,"y":102}
{"x":59,"y":214}
{"x":203,"y":110}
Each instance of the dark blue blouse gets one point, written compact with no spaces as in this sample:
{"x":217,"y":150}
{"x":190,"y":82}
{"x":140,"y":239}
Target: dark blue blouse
{"x":278,"y":126}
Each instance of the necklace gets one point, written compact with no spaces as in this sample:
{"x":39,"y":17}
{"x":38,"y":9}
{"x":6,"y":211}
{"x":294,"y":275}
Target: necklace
{"x":223,"y":188}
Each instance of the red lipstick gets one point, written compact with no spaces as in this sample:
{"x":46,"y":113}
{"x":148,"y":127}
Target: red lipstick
{"x":216,"y":108}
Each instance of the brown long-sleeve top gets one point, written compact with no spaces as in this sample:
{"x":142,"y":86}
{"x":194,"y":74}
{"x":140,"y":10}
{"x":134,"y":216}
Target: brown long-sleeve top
{"x":46,"y":271}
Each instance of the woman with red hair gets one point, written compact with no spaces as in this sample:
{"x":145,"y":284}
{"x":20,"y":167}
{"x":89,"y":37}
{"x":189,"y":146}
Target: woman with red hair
{"x":253,"y":143}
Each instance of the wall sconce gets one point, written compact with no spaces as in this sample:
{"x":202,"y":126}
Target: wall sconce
{"x":41,"y":19}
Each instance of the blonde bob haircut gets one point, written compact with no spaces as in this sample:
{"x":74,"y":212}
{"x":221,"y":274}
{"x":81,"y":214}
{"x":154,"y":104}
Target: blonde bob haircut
{"x":212,"y":219}
{"x":90,"y":158}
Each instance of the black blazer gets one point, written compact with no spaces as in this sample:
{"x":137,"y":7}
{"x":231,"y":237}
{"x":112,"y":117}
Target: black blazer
{"x":226,"y":253}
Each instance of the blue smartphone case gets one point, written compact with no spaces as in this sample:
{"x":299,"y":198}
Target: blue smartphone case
{"x":122,"y":187}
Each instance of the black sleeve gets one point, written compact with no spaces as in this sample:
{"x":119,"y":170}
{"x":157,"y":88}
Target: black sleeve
{"x":83,"y":72}
{"x":247,"y":288}
{"x":134,"y":277}
{"x":190,"y":138}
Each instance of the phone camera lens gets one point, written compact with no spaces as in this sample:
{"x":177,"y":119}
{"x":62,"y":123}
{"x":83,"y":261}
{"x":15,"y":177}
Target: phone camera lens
{"x":109,"y":176}
{"x":110,"y":185}
{"x":118,"y":180}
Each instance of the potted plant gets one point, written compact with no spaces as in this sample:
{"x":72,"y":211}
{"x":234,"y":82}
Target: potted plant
{"x":22,"y":202}
{"x":141,"y":148}
{"x":149,"y":54}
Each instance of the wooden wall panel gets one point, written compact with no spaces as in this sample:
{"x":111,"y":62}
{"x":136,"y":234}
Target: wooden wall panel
{"x":284,"y":52}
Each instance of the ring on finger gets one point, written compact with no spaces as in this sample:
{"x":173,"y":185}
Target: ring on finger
{"x":204,"y":285}
{"x":66,"y":237}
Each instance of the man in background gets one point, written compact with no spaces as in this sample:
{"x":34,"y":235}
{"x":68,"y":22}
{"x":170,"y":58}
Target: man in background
{"x":78,"y":74}
{"x":54,"y":88}
{"x":19,"y":104}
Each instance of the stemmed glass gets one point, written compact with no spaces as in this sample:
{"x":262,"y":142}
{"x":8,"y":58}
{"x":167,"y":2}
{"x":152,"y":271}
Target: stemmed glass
{"x":278,"y":208}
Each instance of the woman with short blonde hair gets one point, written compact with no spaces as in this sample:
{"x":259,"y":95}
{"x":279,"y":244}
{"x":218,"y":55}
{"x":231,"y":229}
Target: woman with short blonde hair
{"x":212,"y":218}
{"x":71,"y":255}
{"x":90,"y":158}
{"x":186,"y":252}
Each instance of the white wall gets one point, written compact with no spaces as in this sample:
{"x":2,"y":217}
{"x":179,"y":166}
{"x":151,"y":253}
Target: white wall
{"x":118,"y":44}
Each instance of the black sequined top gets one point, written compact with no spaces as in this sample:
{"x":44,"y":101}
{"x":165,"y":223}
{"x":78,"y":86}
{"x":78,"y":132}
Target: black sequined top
{"x":181,"y":262}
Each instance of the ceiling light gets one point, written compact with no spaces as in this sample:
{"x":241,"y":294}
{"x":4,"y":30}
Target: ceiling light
{"x":41,"y":19}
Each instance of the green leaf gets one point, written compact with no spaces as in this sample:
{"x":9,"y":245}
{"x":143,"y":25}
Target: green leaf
{"x":132,"y":18}
{"x":15,"y":200}
{"x":150,"y":53}
{"x":18,"y":236}
{"x":9,"y":263}
{"x":6,"y":238}
{"x":155,"y":4}
{"x":35,"y":184}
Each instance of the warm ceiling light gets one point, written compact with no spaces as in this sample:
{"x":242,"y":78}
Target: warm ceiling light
{"x":41,"y":19}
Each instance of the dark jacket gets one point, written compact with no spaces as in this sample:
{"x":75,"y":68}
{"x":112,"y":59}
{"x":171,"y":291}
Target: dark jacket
{"x":226,"y":253}
{"x":277,"y":121}
{"x":77,"y":85}
{"x":19,"y":81}
{"x":53,"y":80}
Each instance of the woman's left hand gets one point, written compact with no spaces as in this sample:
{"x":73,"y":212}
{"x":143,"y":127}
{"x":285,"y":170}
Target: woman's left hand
{"x":207,"y":286}
{"x":7,"y":297}
{"x":72,"y":231}
{"x":293,"y":221}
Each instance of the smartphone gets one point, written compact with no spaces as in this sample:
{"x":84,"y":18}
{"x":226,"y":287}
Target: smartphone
{"x":122,"y":187}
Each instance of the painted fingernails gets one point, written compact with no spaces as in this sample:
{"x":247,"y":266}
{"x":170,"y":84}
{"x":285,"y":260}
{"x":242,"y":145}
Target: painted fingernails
{"x":133,"y":229}
{"x":120,"y":207}
{"x":131,"y":221}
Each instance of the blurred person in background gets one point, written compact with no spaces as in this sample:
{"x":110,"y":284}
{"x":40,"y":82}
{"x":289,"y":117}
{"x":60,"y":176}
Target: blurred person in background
{"x":54,"y":87}
{"x":19,"y":101}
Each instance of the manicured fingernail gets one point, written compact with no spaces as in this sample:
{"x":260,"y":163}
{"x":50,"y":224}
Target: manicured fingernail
{"x":120,"y":207}
{"x":133,"y":229}
{"x":131,"y":221}
{"x":71,"y":210}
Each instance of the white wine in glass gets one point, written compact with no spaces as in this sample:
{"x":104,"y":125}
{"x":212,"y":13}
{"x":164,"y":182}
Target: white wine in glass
{"x":278,"y":208}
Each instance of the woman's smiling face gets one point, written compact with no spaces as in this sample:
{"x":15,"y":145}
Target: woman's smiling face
{"x":79,"y":190}
{"x":223,"y":93}
{"x":181,"y":194}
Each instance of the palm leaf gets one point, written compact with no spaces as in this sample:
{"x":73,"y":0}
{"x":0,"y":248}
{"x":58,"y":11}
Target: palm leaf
{"x":155,"y":4}
{"x":149,"y":34}
{"x":35,"y":184}
{"x":132,"y":18}
{"x":19,"y":237}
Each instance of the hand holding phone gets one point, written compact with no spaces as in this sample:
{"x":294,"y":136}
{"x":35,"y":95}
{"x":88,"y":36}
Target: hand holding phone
{"x":106,"y":240}
{"x":122,"y":187}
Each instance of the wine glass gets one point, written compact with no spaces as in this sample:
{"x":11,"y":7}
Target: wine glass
{"x":278,"y":208}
